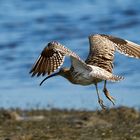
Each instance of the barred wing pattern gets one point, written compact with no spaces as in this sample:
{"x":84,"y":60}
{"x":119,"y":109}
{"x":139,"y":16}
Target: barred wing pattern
{"x":125,"y":47}
{"x":103,"y":47}
{"x":48,"y":62}
{"x":51,"y":58}
{"x":101,"y":52}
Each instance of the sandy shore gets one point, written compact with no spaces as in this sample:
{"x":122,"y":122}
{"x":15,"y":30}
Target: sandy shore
{"x":115,"y":124}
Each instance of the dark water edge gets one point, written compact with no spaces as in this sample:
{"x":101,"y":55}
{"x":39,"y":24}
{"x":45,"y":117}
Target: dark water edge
{"x":27,"y":26}
{"x":117,"y":123}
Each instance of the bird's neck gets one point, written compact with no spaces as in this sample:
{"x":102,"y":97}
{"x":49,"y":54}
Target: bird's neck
{"x":67,"y":74}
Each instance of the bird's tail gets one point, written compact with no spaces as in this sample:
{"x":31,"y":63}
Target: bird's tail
{"x":116,"y":78}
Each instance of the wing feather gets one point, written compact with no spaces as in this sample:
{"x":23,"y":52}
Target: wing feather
{"x":101,"y":52}
{"x":103,"y":47}
{"x":125,"y":47}
{"x":51,"y":59}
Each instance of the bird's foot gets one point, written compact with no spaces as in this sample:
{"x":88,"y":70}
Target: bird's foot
{"x":107,"y":94}
{"x":100,"y":101}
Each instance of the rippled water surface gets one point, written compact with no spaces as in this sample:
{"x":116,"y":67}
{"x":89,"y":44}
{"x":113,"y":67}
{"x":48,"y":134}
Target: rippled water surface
{"x":26,"y":26}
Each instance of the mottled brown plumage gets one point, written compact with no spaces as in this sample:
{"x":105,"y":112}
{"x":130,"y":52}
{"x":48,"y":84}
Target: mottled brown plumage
{"x":125,"y":47}
{"x":103,"y":47}
{"x":48,"y":62}
{"x":101,"y":52}
{"x":97,"y":67}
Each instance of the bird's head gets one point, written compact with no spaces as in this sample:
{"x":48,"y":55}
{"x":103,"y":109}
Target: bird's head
{"x":63,"y":72}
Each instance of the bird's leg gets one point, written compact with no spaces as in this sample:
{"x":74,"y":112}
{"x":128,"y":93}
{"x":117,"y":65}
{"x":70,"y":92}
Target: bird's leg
{"x":107,"y":94}
{"x":99,"y":99}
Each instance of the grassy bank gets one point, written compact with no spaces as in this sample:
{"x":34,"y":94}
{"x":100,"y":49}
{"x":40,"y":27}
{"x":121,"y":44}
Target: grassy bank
{"x":115,"y":124}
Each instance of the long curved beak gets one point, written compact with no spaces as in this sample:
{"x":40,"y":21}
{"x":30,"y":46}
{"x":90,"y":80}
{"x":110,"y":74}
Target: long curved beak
{"x":55,"y":74}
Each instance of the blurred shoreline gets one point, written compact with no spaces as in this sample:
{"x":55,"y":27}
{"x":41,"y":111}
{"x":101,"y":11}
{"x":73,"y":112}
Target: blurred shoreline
{"x":115,"y":123}
{"x":29,"y":25}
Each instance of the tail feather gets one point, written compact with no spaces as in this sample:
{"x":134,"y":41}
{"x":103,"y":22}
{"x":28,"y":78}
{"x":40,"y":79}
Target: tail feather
{"x":116,"y":78}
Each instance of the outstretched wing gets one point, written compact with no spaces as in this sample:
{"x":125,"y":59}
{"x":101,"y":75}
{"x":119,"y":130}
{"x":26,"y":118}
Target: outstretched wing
{"x":103,"y":47}
{"x":101,"y":52}
{"x":51,"y":58}
{"x":125,"y":47}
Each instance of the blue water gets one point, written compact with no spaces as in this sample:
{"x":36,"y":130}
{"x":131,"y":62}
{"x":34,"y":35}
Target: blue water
{"x":25,"y":28}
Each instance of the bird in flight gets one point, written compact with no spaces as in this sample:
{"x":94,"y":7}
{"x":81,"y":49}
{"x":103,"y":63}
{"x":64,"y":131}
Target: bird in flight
{"x":96,"y":68}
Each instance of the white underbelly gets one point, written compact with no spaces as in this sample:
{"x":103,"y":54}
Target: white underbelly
{"x":85,"y":79}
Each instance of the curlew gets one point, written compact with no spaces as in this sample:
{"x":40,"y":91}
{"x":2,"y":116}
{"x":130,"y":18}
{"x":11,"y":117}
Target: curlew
{"x":96,"y":68}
